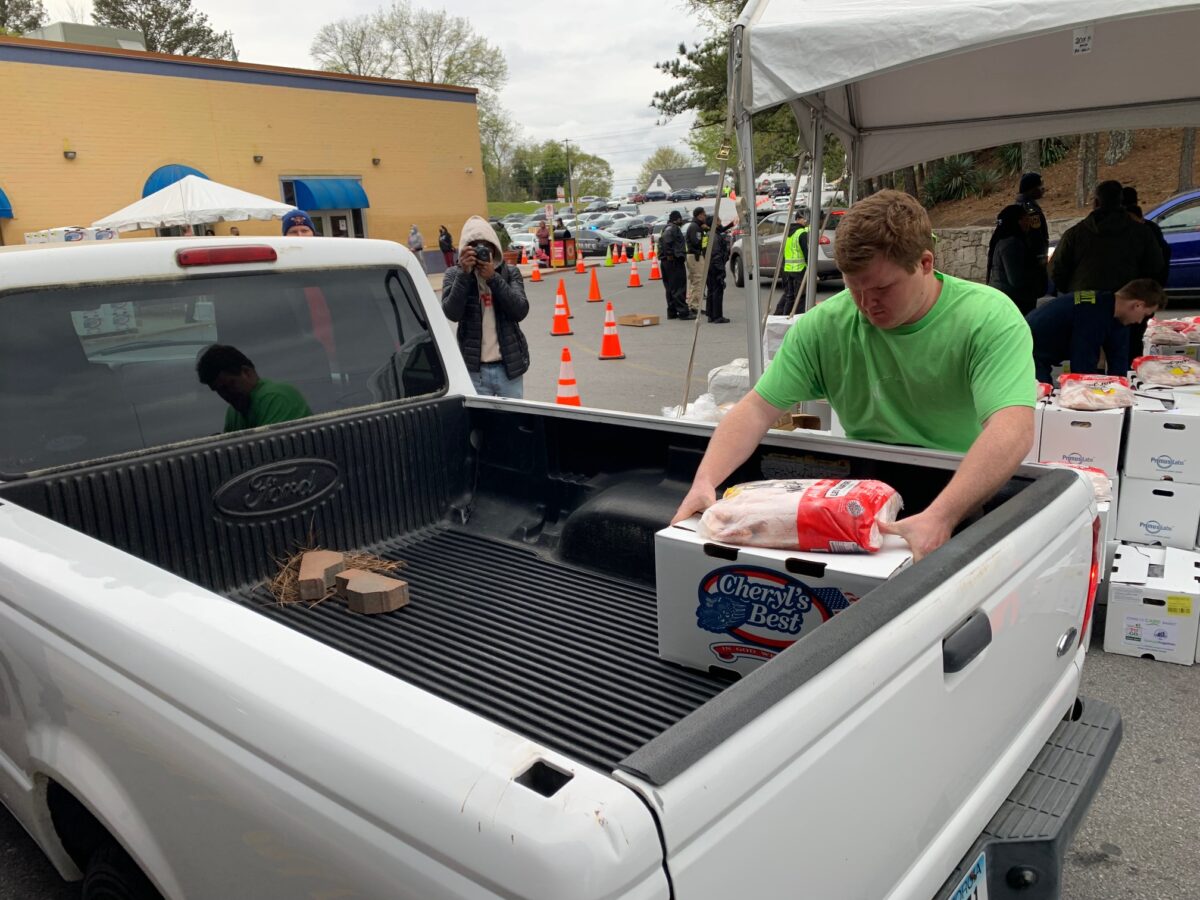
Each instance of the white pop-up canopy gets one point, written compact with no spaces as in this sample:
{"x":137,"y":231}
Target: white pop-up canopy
{"x":907,"y":81}
{"x":193,"y":201}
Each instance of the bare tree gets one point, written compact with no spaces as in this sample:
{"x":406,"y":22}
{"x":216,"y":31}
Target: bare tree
{"x":910,"y":180}
{"x":1120,"y":145}
{"x":1187,"y":159}
{"x":1031,"y":156}
{"x":434,"y":46}
{"x":1085,"y":179}
{"x":78,"y":11}
{"x":356,"y":46}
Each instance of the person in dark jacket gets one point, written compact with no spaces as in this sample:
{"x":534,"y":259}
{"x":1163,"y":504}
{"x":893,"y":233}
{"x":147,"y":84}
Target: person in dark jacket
{"x":486,"y":298}
{"x":446,"y":245}
{"x":714,"y":298}
{"x":672,"y":250}
{"x":1129,"y":199}
{"x":1107,"y":250}
{"x":1078,"y":326}
{"x":1030,"y":191}
{"x":1012,"y":267}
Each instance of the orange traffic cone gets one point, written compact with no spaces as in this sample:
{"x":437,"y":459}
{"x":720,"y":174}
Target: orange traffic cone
{"x":624,"y":256}
{"x":652,"y":255}
{"x":524,"y":255}
{"x":560,"y":325}
{"x":568,"y":390}
{"x":536,"y":274}
{"x":562,"y":295}
{"x":580,"y":268}
{"x":610,"y":344}
{"x":634,"y":279}
{"x":594,"y":290}
{"x":655,"y":274}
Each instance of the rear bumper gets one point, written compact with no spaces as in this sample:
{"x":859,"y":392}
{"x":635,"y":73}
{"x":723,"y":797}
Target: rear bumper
{"x":1026,"y":840}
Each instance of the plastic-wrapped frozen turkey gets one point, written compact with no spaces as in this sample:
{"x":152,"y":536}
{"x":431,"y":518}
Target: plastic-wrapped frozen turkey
{"x":829,"y":514}
{"x":1172,"y":371}
{"x":1101,"y":486}
{"x":1094,"y":392}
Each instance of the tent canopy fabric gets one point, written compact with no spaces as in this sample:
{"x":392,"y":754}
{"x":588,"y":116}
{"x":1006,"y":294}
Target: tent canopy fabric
{"x":330,"y":193}
{"x":193,"y":201}
{"x":913,"y":80}
{"x":5,"y":206}
{"x":166,"y":175}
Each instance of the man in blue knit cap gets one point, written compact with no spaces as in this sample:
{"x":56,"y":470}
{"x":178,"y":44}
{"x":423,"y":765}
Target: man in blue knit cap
{"x":297,"y":224}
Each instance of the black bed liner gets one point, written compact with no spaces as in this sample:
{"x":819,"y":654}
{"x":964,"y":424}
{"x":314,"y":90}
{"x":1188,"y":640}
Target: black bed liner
{"x":560,"y":654}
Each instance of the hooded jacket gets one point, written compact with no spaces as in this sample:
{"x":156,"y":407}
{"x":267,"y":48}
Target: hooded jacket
{"x":1105,"y":252}
{"x":460,"y":303}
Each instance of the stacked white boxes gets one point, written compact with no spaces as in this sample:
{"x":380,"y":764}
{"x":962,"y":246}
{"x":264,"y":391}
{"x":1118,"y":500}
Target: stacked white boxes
{"x":1154,"y":604}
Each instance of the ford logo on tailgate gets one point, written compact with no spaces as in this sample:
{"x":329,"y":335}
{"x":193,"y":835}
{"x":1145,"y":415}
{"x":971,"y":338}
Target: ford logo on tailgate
{"x":278,"y":487}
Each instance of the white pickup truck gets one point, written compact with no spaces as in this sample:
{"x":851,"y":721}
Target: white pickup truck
{"x":167,"y":729}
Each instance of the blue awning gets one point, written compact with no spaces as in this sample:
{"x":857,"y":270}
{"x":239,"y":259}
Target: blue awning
{"x":5,"y":206}
{"x":330,"y":193}
{"x":165,"y":175}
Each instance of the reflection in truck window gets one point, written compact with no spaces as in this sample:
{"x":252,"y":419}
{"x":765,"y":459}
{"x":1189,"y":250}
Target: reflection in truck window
{"x":103,"y":369}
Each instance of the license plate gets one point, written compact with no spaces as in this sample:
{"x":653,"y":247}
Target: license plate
{"x":974,"y":884}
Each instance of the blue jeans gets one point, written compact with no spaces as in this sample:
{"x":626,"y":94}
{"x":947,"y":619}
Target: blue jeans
{"x":492,"y":381}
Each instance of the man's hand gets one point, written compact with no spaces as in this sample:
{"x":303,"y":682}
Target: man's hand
{"x":466,"y":259}
{"x":487,"y":269}
{"x":698,"y":499}
{"x":924,"y":532}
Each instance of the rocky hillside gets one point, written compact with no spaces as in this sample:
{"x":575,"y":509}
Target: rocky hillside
{"x":1152,"y":167}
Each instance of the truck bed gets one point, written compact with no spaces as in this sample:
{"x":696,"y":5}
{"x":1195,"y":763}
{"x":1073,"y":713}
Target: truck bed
{"x":553,"y":651}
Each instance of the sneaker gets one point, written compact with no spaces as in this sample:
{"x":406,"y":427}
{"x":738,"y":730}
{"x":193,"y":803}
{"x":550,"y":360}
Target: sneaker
{"x":686,"y":317}
{"x":719,"y":320}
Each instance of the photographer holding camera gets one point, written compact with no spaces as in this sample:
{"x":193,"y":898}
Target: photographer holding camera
{"x":486,"y":298}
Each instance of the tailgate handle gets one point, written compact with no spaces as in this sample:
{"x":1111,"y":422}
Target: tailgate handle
{"x":966,"y":643}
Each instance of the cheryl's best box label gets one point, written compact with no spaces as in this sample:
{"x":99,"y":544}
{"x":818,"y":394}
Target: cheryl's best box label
{"x":1153,"y":603}
{"x":737,"y":607}
{"x":1082,"y":437}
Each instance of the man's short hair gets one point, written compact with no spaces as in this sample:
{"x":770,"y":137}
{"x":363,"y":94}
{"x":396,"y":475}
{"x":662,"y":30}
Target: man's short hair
{"x":1147,"y":290}
{"x":1108,"y":194}
{"x":220,"y":358}
{"x":1129,"y":196}
{"x":891,"y":223}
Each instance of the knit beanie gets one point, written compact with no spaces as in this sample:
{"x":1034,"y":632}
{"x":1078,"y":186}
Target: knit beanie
{"x":297,"y":217}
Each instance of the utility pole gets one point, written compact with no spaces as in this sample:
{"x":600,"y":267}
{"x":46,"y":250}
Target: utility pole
{"x":570,"y":180}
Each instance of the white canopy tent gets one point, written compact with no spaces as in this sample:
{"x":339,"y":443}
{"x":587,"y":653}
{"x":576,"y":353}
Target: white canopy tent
{"x":913,"y":80}
{"x":193,"y":201}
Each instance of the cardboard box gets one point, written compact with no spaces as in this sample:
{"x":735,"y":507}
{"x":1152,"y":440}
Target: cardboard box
{"x":1108,"y":512}
{"x":735,"y":608}
{"x":1164,"y":444}
{"x":1083,"y":437}
{"x":1158,"y":512}
{"x":1188,"y":350}
{"x":639,"y":320}
{"x":1153,"y":604}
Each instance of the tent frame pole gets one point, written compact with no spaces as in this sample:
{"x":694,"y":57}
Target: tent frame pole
{"x":815,"y":179}
{"x":744,"y":129}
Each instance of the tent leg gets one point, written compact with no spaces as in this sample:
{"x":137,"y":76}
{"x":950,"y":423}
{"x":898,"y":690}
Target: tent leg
{"x":745,"y":139}
{"x":814,"y":230}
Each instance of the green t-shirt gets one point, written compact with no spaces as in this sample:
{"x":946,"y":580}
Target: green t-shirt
{"x":270,"y":402}
{"x":929,"y":384}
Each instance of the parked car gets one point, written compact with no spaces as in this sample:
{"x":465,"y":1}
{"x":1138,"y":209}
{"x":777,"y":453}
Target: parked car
{"x":588,"y":199}
{"x":656,"y":196}
{"x":771,"y":231}
{"x":589,"y":217}
{"x":603,"y":222}
{"x":631,"y":208}
{"x":709,"y":192}
{"x":637,"y":198}
{"x":515,"y":217}
{"x":525,"y":240}
{"x":1179,"y":219}
{"x":595,"y":242}
{"x":596,"y":206}
{"x":685,"y":195}
{"x":630,"y":228}
{"x":617,"y":215}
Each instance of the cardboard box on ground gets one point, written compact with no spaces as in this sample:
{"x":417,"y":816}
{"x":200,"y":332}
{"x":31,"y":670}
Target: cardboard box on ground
{"x":1154,"y":604}
{"x":734,"y":608}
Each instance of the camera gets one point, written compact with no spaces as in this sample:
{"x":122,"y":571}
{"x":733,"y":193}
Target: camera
{"x":483,"y":253}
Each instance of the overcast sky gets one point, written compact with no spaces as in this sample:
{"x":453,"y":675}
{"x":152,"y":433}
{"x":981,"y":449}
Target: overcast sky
{"x":578,"y":71}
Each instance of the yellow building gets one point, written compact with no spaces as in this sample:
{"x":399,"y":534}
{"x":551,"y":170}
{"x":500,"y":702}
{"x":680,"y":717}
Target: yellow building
{"x":90,"y":130}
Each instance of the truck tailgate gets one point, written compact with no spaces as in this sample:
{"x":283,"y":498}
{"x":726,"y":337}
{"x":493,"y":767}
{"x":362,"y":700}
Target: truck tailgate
{"x":869,"y":773}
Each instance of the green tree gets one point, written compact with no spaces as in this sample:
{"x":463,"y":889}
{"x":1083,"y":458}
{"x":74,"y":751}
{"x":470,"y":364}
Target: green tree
{"x":169,"y":26}
{"x":355,"y":46}
{"x":664,"y":157}
{"x":592,"y":175}
{"x":19,"y":16}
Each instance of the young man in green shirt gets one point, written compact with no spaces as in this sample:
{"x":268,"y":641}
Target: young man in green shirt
{"x":905,"y":355}
{"x":253,"y":401}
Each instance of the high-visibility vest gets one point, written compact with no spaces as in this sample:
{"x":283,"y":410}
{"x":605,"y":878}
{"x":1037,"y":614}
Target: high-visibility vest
{"x":794,"y":260}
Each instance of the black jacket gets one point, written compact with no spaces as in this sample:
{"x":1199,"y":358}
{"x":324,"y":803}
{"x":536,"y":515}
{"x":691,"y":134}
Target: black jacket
{"x":445,"y":242}
{"x":670,"y":243}
{"x":1076,"y":327}
{"x":694,"y":236}
{"x":460,"y":303}
{"x":1104,"y":252}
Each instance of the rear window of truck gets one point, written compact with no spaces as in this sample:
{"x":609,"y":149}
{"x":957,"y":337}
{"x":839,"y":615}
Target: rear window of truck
{"x":96,"y":370}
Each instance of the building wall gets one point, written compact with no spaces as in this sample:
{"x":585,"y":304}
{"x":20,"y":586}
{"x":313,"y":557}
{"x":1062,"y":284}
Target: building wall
{"x":123,"y":125}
